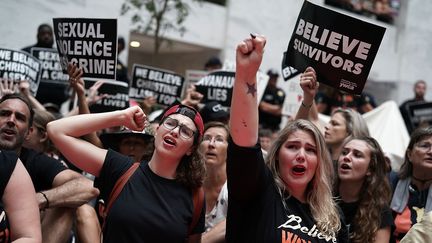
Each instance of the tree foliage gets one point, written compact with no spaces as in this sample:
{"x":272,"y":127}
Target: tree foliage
{"x":157,"y":17}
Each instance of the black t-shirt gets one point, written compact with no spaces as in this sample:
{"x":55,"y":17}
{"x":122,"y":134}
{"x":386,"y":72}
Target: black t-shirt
{"x":256,"y":212}
{"x":150,"y":208}
{"x":42,"y":168}
{"x":274,"y":96}
{"x":8,"y":160}
{"x":350,"y":209}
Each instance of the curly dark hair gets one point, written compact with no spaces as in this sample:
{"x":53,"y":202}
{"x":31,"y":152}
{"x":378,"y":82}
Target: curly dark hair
{"x":374,"y":196}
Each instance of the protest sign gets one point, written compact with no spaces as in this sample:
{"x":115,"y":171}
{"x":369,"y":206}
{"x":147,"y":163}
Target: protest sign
{"x":420,"y":113}
{"x":89,"y":43}
{"x":117,"y":95}
{"x":217,"y":86}
{"x":51,"y":71}
{"x":339,"y":47}
{"x":18,"y":65}
{"x":164,"y":85}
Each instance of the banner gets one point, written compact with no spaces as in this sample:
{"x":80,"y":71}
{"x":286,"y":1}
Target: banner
{"x":217,"y":86}
{"x":165,"y":86}
{"x":19,"y":65}
{"x":51,"y":71}
{"x":117,"y":96}
{"x":339,"y":47}
{"x":89,"y":43}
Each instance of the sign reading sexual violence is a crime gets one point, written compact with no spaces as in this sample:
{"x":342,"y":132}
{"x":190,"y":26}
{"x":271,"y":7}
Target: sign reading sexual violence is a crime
{"x":89,"y":43}
{"x":116,"y":95}
{"x":18,"y":65}
{"x":339,"y":47}
{"x":51,"y":71}
{"x":164,"y":85}
{"x":217,"y":86}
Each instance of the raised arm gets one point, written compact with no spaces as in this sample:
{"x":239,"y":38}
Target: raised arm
{"x":244,"y":104}
{"x":65,"y":134}
{"x":309,"y":85}
{"x":20,"y":204}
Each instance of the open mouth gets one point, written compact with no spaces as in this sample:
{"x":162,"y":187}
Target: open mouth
{"x":298,"y":170}
{"x":345,"y":167}
{"x":169,"y":141}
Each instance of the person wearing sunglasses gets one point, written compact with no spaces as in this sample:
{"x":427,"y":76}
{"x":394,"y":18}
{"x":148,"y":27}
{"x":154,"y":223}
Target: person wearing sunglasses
{"x":156,"y":204}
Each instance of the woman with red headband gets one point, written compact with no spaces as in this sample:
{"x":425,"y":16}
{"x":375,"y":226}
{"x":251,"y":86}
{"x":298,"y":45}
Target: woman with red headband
{"x":158,"y":202}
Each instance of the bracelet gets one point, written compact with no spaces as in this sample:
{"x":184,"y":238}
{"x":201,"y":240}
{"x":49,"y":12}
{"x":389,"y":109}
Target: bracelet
{"x":46,"y":198}
{"x":306,"y":106}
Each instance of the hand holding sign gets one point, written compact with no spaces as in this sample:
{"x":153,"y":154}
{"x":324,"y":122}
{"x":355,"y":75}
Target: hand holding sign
{"x":75,"y":80}
{"x":7,"y":86}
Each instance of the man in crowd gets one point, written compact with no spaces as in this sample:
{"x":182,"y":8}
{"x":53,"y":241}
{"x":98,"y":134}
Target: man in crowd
{"x":270,"y":107}
{"x":419,"y":94}
{"x":59,"y":190}
{"x":56,"y":93}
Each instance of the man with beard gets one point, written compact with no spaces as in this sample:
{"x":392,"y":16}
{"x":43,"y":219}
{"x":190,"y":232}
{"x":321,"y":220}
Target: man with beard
{"x":56,"y":93}
{"x":59,"y":190}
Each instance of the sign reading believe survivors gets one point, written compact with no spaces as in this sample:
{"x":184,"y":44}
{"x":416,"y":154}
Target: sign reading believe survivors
{"x":340,"y":48}
{"x":89,"y":43}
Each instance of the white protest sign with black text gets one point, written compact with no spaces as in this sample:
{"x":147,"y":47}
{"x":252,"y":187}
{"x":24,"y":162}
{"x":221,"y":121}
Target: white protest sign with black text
{"x":51,"y":69}
{"x":339,"y":47}
{"x":166,"y":86}
{"x":117,"y":95}
{"x":89,"y":43}
{"x":19,"y":65}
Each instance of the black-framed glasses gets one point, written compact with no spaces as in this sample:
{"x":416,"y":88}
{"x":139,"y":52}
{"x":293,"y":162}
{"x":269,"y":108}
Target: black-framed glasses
{"x":171,"y":124}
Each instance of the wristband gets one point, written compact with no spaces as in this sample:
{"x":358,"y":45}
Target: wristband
{"x":306,"y":106}
{"x":46,"y":198}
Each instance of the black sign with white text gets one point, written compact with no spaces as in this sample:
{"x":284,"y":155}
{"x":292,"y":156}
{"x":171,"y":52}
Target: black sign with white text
{"x":340,"y":48}
{"x":217,"y":86}
{"x":116,"y":92}
{"x":18,"y":65}
{"x":165,"y":86}
{"x":89,"y":43}
{"x":51,"y":69}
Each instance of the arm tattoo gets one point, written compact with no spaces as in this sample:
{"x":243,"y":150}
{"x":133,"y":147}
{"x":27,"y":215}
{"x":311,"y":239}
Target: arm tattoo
{"x":244,"y":123}
{"x":251,"y":89}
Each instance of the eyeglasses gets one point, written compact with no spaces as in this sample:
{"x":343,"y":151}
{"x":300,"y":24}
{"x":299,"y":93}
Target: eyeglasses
{"x":424,"y":146}
{"x":216,"y":139}
{"x":171,"y":124}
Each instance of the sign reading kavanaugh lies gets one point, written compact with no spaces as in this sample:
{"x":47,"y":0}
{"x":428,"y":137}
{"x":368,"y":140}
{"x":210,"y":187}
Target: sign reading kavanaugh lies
{"x":339,"y":47}
{"x":165,"y":86}
{"x":89,"y":43}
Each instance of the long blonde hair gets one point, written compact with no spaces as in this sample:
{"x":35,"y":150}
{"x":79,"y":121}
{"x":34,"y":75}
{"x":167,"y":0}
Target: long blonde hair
{"x":318,"y":192}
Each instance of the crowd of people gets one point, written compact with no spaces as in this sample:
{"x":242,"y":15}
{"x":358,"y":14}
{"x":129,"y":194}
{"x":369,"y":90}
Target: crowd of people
{"x":194,"y":172}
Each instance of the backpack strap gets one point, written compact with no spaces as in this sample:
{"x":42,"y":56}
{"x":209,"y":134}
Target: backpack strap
{"x":198,"y":203}
{"x":118,"y":187}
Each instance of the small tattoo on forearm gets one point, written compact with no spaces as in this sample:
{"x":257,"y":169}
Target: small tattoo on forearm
{"x":251,"y":89}
{"x":244,"y":123}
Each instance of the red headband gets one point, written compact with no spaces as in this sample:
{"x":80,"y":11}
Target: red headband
{"x":188,"y":111}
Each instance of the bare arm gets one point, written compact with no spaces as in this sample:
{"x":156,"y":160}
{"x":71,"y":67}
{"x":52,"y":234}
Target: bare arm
{"x":382,"y":235}
{"x":20,"y":204}
{"x":309,"y":85}
{"x":24,"y":87}
{"x":65,"y":134}
{"x":77,"y":83}
{"x":216,"y":234}
{"x":70,"y":189}
{"x":244,"y":125}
